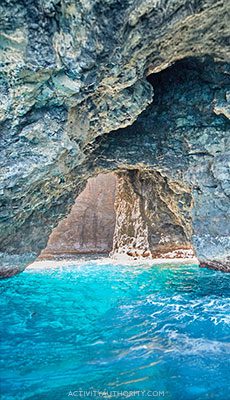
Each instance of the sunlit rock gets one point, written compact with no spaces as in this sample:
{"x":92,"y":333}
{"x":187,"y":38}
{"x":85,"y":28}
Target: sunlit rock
{"x":89,"y":228}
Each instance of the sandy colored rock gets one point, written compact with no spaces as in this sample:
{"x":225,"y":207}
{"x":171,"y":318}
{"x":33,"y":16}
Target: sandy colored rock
{"x":89,"y":227}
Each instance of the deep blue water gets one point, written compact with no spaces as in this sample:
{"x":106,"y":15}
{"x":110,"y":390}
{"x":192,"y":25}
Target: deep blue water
{"x":116,"y":329}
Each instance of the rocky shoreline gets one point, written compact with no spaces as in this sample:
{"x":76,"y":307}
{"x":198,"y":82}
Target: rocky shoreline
{"x":223,"y":266}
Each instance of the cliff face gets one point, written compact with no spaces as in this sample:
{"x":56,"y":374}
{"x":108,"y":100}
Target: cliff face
{"x":137,"y":213}
{"x":153,"y":216}
{"x":184,"y":135}
{"x":71,"y":72}
{"x":89,"y":228}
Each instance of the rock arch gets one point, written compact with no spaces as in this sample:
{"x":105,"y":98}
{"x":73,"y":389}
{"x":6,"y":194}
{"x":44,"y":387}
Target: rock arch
{"x":75,"y":102}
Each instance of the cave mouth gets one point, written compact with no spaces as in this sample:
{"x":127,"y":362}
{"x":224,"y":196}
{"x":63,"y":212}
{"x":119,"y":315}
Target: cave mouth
{"x":133,"y":213}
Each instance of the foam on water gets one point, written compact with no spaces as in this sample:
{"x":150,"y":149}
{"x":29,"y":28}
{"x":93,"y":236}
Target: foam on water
{"x":162,"y":330}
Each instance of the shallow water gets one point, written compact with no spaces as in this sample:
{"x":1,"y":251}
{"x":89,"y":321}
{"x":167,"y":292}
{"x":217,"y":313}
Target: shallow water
{"x":127,"y":331}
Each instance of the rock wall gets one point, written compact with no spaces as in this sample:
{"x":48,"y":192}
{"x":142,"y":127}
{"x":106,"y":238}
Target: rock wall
{"x":137,"y":213}
{"x":153,"y":216}
{"x":184,"y":134}
{"x":89,"y":228}
{"x":72,"y":72}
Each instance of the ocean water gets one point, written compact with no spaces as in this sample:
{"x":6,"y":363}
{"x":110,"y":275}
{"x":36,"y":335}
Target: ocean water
{"x":99,"y":330}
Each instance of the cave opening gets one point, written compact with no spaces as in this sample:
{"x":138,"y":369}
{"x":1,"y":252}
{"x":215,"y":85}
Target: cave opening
{"x":133,"y":213}
{"x":141,"y":202}
{"x":89,"y":226}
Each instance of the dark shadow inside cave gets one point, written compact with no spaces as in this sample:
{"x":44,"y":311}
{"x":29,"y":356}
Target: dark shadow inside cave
{"x":158,"y":162}
{"x":184,"y":135}
{"x":187,"y":106}
{"x":170,"y":165}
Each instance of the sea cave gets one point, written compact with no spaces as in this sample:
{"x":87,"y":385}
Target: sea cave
{"x":114,"y":198}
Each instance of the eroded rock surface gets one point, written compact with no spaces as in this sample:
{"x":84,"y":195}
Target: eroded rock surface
{"x":73,"y":71}
{"x":153,"y":216}
{"x":89,"y":228}
{"x":135,"y":213}
{"x":181,"y":136}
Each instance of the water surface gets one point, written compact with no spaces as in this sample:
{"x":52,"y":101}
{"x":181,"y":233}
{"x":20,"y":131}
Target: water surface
{"x":117,"y":329}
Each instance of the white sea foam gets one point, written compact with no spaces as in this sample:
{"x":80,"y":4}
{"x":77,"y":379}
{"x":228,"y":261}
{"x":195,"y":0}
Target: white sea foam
{"x":124,"y":260}
{"x":185,"y":344}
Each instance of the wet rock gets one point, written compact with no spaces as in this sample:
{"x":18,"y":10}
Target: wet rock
{"x":217,"y":265}
{"x":11,"y":265}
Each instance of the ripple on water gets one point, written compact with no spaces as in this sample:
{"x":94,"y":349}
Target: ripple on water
{"x":115,"y":327}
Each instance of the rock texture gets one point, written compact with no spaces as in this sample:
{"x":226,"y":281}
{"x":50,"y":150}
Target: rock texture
{"x":89,"y":228}
{"x":153,"y":216}
{"x":137,"y":213}
{"x":182,"y":136}
{"x":71,"y":72}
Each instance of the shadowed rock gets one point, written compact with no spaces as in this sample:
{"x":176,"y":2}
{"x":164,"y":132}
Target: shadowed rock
{"x":72,"y":72}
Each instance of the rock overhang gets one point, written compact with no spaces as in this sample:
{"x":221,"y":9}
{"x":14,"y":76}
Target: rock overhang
{"x":86,"y":63}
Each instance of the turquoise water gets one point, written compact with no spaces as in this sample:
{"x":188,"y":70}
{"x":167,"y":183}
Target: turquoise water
{"x":114,"y":331}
